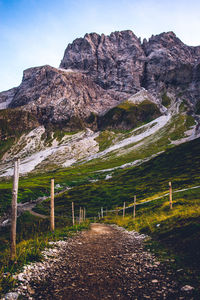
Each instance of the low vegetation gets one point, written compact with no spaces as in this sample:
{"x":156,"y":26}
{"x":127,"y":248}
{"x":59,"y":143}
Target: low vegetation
{"x":166,"y":101}
{"x":175,"y":233}
{"x":128,"y":115}
{"x":13,"y":123}
{"x":144,"y":181}
{"x":33,"y":236}
{"x":88,"y":187}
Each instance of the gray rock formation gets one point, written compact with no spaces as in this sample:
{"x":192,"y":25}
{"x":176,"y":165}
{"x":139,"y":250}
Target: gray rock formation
{"x":121,"y":62}
{"x":172,"y":65}
{"x":98,"y":72}
{"x":114,"y":62}
{"x":6,"y":98}
{"x":60,"y":97}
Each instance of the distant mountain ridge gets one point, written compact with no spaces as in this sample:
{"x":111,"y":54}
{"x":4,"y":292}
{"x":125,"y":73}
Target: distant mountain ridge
{"x":121,"y":62}
{"x":104,"y":89}
{"x":102,"y":71}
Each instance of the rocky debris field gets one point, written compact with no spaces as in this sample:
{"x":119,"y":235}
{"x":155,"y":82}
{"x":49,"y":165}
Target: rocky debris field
{"x":106,"y":262}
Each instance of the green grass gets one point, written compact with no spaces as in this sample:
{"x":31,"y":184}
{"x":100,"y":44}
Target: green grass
{"x":128,"y":115}
{"x":33,"y":236}
{"x":175,"y":234}
{"x":105,"y":139}
{"x":179,"y":165}
{"x":166,"y":101}
{"x":137,"y":180}
{"x":37,"y":184}
{"x":5,"y":146}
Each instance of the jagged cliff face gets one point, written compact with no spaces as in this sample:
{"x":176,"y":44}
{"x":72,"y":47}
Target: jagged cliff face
{"x":170,"y":64}
{"x":114,"y":62}
{"x":99,"y":72}
{"x":121,"y":62}
{"x":60,"y":97}
{"x":109,"y":85}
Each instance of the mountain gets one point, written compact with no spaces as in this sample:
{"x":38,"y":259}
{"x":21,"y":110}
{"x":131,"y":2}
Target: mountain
{"x":59,"y":96}
{"x":111,"y":96}
{"x":119,"y":117}
{"x":114,"y":62}
{"x":121,"y":62}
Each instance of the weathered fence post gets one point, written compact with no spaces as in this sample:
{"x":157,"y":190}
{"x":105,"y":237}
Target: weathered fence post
{"x":14,"y":209}
{"x":116,"y":211}
{"x":170,"y":194}
{"x":80,"y":216}
{"x":124,"y":209}
{"x":84,"y":213}
{"x":99,"y":215}
{"x":52,"y":221}
{"x":73,"y":213}
{"x":102,"y":212}
{"x":134,"y":207}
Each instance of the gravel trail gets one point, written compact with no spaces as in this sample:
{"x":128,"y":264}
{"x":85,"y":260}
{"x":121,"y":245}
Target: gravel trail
{"x":105,"y":262}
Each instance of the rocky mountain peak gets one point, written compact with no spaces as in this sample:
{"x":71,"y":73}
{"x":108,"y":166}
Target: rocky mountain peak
{"x":114,"y":61}
{"x":61,"y":97}
{"x":120,"y":62}
{"x":98,"y":72}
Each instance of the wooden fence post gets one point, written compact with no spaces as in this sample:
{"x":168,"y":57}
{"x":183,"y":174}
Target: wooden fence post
{"x":14,"y":209}
{"x":99,"y":215}
{"x":134,"y":207}
{"x":124,"y":209}
{"x":116,"y":212}
{"x":80,"y":216}
{"x":102,"y":212}
{"x":52,"y":220}
{"x":73,"y":213}
{"x":84,"y":213}
{"x":170,"y":194}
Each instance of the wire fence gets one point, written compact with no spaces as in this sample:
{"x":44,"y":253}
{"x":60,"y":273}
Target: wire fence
{"x":144,"y":202}
{"x":82,"y":210}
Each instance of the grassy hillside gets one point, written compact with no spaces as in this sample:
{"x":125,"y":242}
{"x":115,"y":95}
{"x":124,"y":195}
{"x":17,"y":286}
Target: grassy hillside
{"x":181,"y":165}
{"x":38,"y":184}
{"x":14,"y":122}
{"x":128,"y":115}
{"x":33,"y":236}
{"x":175,"y":233}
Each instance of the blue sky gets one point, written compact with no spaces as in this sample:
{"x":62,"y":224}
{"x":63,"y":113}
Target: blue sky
{"x":36,"y":32}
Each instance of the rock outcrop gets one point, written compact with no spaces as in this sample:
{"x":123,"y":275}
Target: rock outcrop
{"x":128,"y":115}
{"x":61,"y":97}
{"x":114,"y":62}
{"x":99,"y":72}
{"x":171,"y":65}
{"x":121,"y":62}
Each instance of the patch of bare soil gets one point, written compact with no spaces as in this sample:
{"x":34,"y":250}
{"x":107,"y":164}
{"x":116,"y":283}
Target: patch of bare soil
{"x":104,"y":263}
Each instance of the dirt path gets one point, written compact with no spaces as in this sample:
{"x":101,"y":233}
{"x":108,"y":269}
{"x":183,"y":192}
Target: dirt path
{"x":103,"y":263}
{"x":36,"y":214}
{"x":28,"y":207}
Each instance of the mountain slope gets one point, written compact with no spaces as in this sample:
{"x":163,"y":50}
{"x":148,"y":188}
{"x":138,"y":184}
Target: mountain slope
{"x":114,"y":62}
{"x":118,"y":118}
{"x":60,"y":97}
{"x":98,"y":97}
{"x":121,"y":62}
